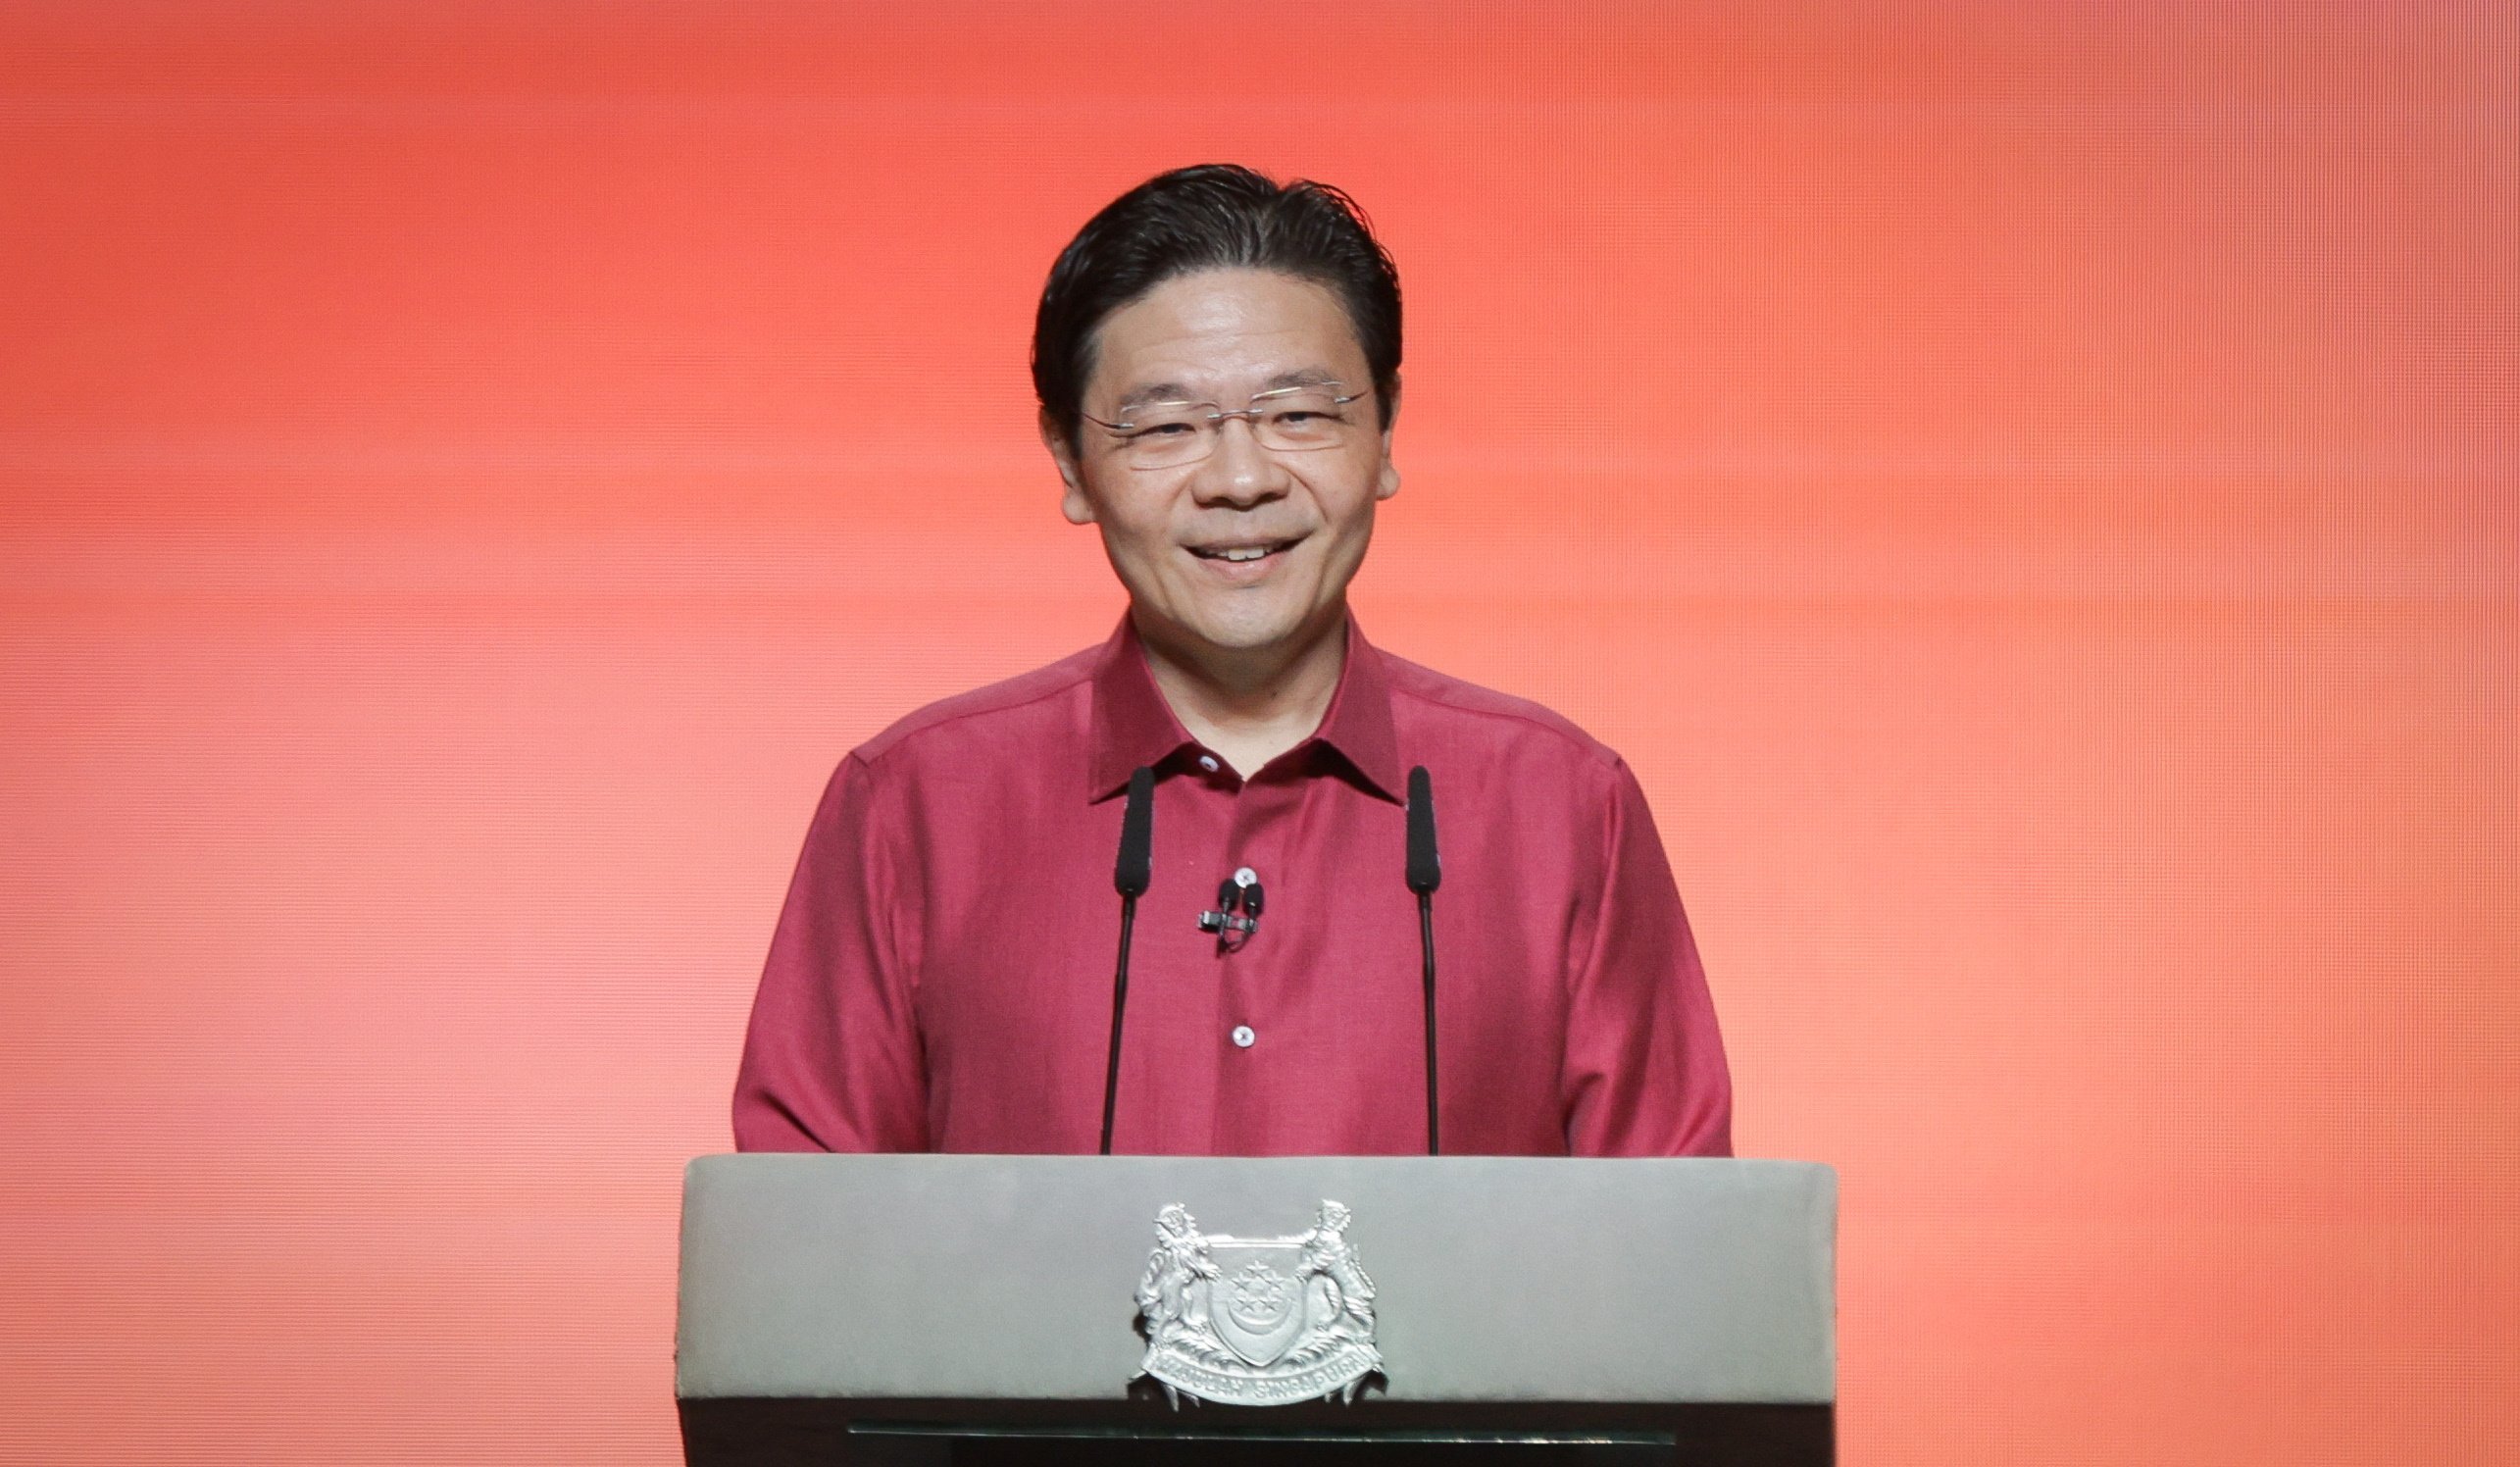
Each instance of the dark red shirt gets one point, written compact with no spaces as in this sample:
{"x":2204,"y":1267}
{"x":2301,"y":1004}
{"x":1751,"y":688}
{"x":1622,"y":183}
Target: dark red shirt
{"x":942,"y":977}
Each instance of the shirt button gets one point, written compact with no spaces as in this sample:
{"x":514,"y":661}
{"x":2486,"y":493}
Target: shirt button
{"x":1243,"y":1037}
{"x":1208,"y":762}
{"x":1246,"y":876}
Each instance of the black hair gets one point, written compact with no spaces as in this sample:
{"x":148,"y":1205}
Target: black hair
{"x":1214,"y":216}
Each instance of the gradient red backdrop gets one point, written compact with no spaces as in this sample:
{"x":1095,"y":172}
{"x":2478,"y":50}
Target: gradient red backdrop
{"x":2031,"y":489}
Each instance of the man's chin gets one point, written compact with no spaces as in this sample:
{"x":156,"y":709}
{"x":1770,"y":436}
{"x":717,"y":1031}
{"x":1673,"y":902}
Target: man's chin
{"x":1241,"y":635}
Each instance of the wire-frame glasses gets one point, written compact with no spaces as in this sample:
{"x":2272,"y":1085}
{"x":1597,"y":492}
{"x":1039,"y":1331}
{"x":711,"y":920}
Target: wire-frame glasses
{"x":1300,"y":419}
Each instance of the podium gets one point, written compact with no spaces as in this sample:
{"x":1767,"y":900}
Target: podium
{"x":903,"y":1309}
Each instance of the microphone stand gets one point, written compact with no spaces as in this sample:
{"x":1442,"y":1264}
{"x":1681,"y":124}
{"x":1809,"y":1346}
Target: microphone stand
{"x":1426,"y":945}
{"x":1425,"y":873}
{"x":1131,"y":876}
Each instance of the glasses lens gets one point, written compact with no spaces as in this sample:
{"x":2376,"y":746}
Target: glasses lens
{"x":1301,"y":418}
{"x":1161,"y":435}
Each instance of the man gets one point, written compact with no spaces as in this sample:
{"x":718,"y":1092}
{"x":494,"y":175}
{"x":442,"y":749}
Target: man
{"x":1218,"y":365}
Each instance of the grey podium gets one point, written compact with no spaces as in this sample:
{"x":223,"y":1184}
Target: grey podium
{"x":986,"y":1309}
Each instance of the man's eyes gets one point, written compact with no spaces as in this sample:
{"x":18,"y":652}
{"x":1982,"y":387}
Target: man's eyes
{"x":1180,"y":426}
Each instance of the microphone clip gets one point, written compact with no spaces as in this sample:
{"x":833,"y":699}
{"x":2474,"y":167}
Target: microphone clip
{"x":1237,"y":917}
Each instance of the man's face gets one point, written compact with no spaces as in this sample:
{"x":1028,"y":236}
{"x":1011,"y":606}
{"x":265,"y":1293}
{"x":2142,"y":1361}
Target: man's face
{"x":1220,"y":336}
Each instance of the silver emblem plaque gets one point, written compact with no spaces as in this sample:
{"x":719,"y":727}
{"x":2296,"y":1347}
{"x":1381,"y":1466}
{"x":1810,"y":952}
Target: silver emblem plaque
{"x":1257,"y":1320}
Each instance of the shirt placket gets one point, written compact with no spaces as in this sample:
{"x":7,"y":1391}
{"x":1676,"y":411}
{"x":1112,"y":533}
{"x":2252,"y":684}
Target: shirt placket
{"x":1253,"y":1036}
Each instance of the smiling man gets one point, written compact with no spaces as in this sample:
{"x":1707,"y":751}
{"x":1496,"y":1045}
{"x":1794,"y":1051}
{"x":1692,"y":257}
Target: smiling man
{"x":1218,"y":364}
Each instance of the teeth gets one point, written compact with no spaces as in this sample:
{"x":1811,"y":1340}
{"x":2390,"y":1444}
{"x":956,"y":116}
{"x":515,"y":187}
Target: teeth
{"x":1241,"y":553}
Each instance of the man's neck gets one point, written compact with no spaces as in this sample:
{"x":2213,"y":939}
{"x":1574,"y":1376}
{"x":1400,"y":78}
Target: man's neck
{"x":1251,"y":706}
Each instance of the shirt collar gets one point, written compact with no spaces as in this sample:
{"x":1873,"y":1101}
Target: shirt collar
{"x":1132,"y":724}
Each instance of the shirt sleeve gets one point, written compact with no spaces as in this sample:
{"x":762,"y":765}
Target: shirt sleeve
{"x":832,"y":1058}
{"x":1644,"y":1071}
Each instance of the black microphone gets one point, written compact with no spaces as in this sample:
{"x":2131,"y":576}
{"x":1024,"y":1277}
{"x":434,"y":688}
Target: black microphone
{"x":1239,"y":892}
{"x":1425,"y":873}
{"x":1131,"y":876}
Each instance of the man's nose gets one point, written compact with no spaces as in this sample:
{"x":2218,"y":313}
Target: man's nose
{"x":1239,"y":473}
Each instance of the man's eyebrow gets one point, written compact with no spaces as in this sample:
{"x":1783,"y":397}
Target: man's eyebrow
{"x":1147,"y":392}
{"x":1144,"y":393}
{"x":1310,"y":376}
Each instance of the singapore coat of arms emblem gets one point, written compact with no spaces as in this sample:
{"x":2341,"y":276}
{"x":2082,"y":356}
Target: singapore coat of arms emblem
{"x":1257,"y":1320}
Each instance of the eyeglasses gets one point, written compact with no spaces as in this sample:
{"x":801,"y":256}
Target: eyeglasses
{"x":1284,"y":420}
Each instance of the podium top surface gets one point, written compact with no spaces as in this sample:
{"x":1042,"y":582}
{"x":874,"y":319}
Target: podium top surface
{"x":1496,"y":1279}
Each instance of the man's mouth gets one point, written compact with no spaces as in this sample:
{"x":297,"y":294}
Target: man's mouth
{"x":1241,"y":552}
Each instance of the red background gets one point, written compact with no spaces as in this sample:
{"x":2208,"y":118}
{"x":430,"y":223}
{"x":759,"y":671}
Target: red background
{"x":2031,"y":489}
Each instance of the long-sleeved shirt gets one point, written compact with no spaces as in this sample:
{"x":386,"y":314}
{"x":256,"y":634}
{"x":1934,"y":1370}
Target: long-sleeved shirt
{"x":941,"y":975}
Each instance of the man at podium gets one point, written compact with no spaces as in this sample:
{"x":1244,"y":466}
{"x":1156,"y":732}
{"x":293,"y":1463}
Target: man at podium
{"x":1217,"y":358}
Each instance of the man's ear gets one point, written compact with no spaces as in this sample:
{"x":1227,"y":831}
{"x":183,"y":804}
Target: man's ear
{"x":1387,"y":482}
{"x":1073,"y":502}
